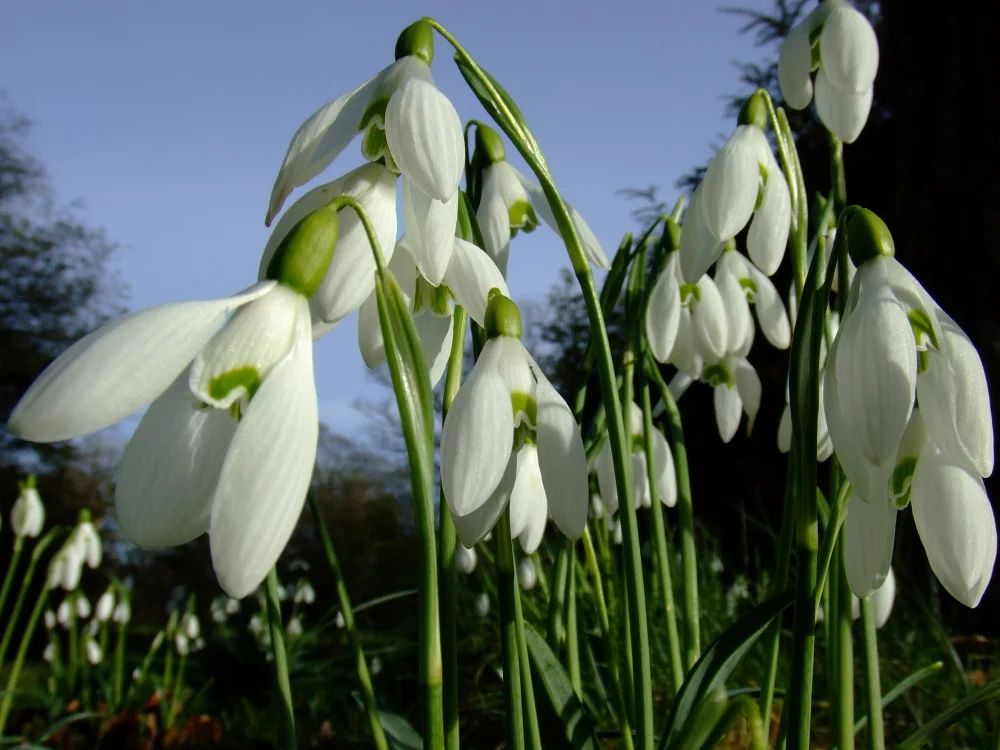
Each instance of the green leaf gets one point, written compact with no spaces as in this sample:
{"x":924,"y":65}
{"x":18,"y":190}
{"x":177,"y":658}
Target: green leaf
{"x":986,"y":694}
{"x":577,"y":727}
{"x":517,"y":130}
{"x":717,"y":663}
{"x":66,"y":721}
{"x":400,"y":732}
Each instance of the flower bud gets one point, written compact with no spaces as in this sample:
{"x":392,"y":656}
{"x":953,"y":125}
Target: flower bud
{"x":526,"y":574}
{"x":489,"y":146}
{"x":482,"y":604}
{"x":105,"y":606}
{"x":502,"y":316}
{"x":754,"y":111}
{"x":304,"y":255}
{"x":417,"y":39}
{"x":867,"y":236}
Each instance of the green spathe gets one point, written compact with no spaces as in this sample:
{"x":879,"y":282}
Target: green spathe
{"x":867,"y":235}
{"x":303,"y":257}
{"x":754,"y":111}
{"x":502,"y":316}
{"x":417,"y":39}
{"x":489,"y":145}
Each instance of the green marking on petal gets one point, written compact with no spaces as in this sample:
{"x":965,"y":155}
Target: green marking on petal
{"x":922,"y":329}
{"x":525,"y":405}
{"x":247,"y":377}
{"x":716,"y":375}
{"x":522,"y":216}
{"x":901,"y":482}
{"x":524,"y":434}
{"x":750,"y":287}
{"x":638,"y":443}
{"x":374,"y":145}
{"x":923,"y":361}
{"x":440,"y":298}
{"x":690,"y":295}
{"x":421,"y":294}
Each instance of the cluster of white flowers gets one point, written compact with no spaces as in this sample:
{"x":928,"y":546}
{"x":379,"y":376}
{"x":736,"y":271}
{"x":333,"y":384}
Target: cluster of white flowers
{"x":83,"y":547}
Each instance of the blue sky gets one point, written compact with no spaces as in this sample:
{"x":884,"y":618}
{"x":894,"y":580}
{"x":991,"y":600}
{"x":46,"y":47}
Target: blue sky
{"x":169,"y":120}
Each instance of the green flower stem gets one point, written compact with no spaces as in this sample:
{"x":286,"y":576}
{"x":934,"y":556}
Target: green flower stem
{"x":119,"y":666}
{"x":74,"y":650}
{"x":8,"y":579}
{"x":626,"y":637}
{"x":543,"y":580}
{"x":785,"y":149}
{"x":411,"y":385}
{"x":177,"y":688}
{"x":22,"y":651}
{"x":837,"y":178}
{"x":610,"y":649}
{"x":873,"y":683}
{"x":784,"y":554}
{"x":662,"y":549}
{"x":512,"y":123}
{"x":280,"y":659}
{"x":828,"y":551}
{"x":154,"y":647}
{"x":447,"y":544}
{"x":527,"y":688}
{"x":15,"y":613}
{"x":556,"y":631}
{"x":572,"y":636}
{"x":344,"y":600}
{"x":685,"y":510}
{"x":844,"y":697}
{"x":740,"y":707}
{"x":800,"y":220}
{"x":507,"y":592}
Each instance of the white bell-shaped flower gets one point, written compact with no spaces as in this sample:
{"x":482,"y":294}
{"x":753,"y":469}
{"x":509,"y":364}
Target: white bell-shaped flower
{"x":49,"y":653}
{"x":294,"y":627}
{"x":510,"y":437}
{"x":737,"y":390}
{"x":882,"y":600}
{"x":94,"y":653}
{"x":182,"y":644}
{"x":27,"y":517}
{"x":666,"y":484}
{"x":527,"y":576}
{"x":350,"y":278}
{"x":82,"y":605}
{"x":405,"y":120}
{"x":956,"y":525}
{"x":470,"y":276}
{"x":663,"y":310}
{"x":304,"y":593}
{"x":465,"y":559}
{"x":596,"y":507}
{"x":759,"y":292}
{"x":123,"y":613}
{"x":869,"y":537}
{"x":505,"y":208}
{"x":742,"y":181}
{"x":49,"y":618}
{"x":65,"y":568}
{"x":482,"y":604}
{"x":190,"y":625}
{"x":837,"y":39}
{"x":64,"y":613}
{"x":86,"y":539}
{"x":105,"y":606}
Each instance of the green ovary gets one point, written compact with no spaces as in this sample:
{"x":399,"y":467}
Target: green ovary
{"x":247,"y":377}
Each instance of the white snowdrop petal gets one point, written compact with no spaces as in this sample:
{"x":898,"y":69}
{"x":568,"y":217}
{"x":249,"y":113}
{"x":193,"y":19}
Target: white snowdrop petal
{"x":955,"y":399}
{"x":267,"y":471}
{"x":794,"y":62}
{"x":882,"y":600}
{"x":685,"y":355}
{"x":472,"y":527}
{"x":785,"y":430}
{"x":709,"y":323}
{"x":253,"y":341}
{"x":318,"y":141}
{"x":771,"y":312}
{"x":170,"y":468}
{"x":769,"y":228}
{"x":849,"y":49}
{"x":663,"y":312}
{"x":494,"y":219}
{"x":121,"y":367}
{"x":869,"y":536}
{"x":749,"y":388}
{"x":563,"y":462}
{"x":699,"y":248}
{"x":430,"y":231}
{"x":370,"y":334}
{"x":666,"y":484}
{"x":729,"y":190}
{"x":605,"y":468}
{"x":640,"y":481}
{"x":425,"y":139}
{"x":528,"y":504}
{"x":956,"y":524}
{"x":843,"y":112}
{"x":435,"y":333}
{"x":739,"y":321}
{"x":470,"y":276}
{"x":728,"y":410}
{"x":476,"y":437}
{"x":851,"y":460}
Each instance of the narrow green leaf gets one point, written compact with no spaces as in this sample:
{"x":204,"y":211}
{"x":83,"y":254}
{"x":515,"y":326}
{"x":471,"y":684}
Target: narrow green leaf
{"x":577,"y":727}
{"x":401,"y":733}
{"x":717,"y":663}
{"x":65,"y":722}
{"x":509,"y":127}
{"x":986,"y":694}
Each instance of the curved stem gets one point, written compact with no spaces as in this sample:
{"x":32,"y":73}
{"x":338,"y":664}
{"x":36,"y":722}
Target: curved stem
{"x":22,"y":651}
{"x":572,"y":637}
{"x":15,"y":613}
{"x":344,"y":599}
{"x":873,"y":682}
{"x":280,"y":659}
{"x":507,"y":591}
{"x":15,"y":558}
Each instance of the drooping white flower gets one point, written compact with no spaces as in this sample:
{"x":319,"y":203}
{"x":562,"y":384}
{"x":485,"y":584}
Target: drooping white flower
{"x":596,"y":507}
{"x":232,"y":606}
{"x":869,"y":536}
{"x":82,"y":606}
{"x":190,"y":625}
{"x":181,"y":644}
{"x":482,"y":605}
{"x":256,"y":624}
{"x":28,"y":514}
{"x":465,"y":559}
{"x":94,"y":653}
{"x":304,"y":592}
{"x":527,"y":576}
{"x":49,"y":653}
{"x":50,"y":619}
{"x":470,"y":276}
{"x":105,"y":606}
{"x":666,"y":483}
{"x":616,"y":531}
{"x":93,"y":627}
{"x":87,"y":541}
{"x":510,"y":437}
{"x":65,"y":568}
{"x":350,"y":278}
{"x":839,"y":41}
{"x":294,"y":627}
{"x":737,"y":278}
{"x":64,"y":613}
{"x":339,"y":621}
{"x":737,"y":389}
{"x":882,"y":600}
{"x":123,"y":613}
{"x":505,"y":208}
{"x":742,"y":181}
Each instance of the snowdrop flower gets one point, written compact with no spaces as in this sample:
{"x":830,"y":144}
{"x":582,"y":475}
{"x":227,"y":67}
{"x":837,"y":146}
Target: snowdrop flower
{"x":716,"y":566}
{"x":470,"y":276}
{"x":217,"y":610}
{"x":837,"y":39}
{"x":182,"y":644}
{"x":482,"y":605}
{"x":295,"y":627}
{"x":408,"y":125}
{"x":510,"y":437}
{"x":105,"y":607}
{"x":64,"y":614}
{"x":743,"y":181}
{"x":282,"y":594}
{"x":65,"y":568}
{"x":882,"y":600}
{"x":50,"y":619}
{"x":616,"y":531}
{"x":82,"y":606}
{"x":526,"y":573}
{"x":94,"y":653}
{"x":256,"y":625}
{"x":49,"y":653}
{"x":190,"y":625}
{"x":28,"y":514}
{"x":666,"y":485}
{"x":93,"y":627}
{"x":199,"y":644}
{"x":510,"y":201}
{"x":228,"y":443}
{"x":376,"y":666}
{"x":304,"y":592}
{"x":86,"y":539}
{"x":339,"y":621}
{"x":232,"y":606}
{"x":465,"y":559}
{"x":741,"y":284}
{"x":596,"y":507}
{"x":123,"y":613}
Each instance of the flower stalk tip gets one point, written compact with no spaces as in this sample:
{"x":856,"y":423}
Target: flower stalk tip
{"x":502,"y":316}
